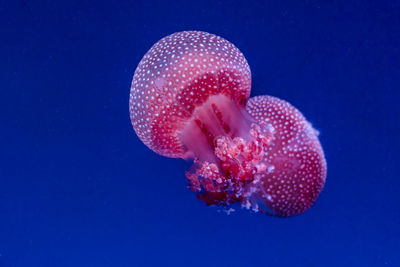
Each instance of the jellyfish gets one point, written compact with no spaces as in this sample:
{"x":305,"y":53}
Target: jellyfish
{"x":190,"y":99}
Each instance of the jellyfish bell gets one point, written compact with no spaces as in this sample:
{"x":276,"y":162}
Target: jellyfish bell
{"x":176,"y":76}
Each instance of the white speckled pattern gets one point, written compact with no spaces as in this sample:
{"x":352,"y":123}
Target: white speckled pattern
{"x":295,"y":152}
{"x":177,"y":74}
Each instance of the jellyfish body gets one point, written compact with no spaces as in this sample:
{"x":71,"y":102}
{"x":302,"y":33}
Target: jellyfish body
{"x":190,"y":99}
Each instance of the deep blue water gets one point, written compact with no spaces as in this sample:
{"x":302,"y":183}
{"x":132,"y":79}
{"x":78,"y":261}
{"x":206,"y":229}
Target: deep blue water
{"x":78,"y":188}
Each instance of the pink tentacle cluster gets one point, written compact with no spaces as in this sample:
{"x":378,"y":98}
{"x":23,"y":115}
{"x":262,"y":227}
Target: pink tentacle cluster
{"x":240,"y":165}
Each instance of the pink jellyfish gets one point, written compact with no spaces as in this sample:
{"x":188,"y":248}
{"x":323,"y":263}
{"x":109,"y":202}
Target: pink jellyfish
{"x":190,"y":99}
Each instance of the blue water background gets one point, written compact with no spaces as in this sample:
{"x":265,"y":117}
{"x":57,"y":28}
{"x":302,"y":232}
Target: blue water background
{"x":78,"y":188}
